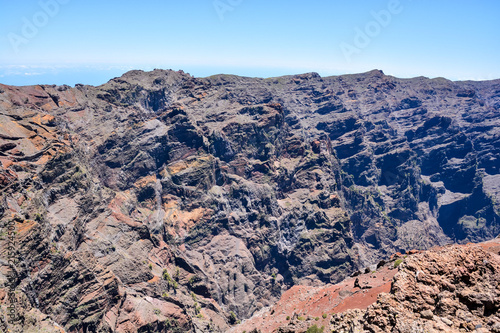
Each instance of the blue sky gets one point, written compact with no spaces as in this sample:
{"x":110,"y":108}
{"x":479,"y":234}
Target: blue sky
{"x":76,"y":41}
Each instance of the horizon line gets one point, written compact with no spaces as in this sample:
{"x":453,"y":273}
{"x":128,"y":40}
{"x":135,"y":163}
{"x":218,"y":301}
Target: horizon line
{"x":57,"y":69}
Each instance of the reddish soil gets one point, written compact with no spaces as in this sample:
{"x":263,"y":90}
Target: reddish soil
{"x":315,"y":302}
{"x":492,"y":246}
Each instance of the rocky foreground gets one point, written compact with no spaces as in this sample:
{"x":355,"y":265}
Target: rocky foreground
{"x":161,"y":202}
{"x":447,"y":289}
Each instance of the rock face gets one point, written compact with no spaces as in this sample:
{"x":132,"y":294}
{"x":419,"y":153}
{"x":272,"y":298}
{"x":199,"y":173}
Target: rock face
{"x":162,"y":202}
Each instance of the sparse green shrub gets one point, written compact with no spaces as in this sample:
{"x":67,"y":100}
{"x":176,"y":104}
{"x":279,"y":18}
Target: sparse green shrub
{"x":324,"y":315}
{"x":398,"y":262}
{"x":232,"y":318}
{"x":177,"y":273}
{"x":197,"y":308}
{"x":193,"y":280}
{"x":172,"y":325}
{"x":170,"y":281}
{"x":315,"y":329}
{"x":287,"y":317}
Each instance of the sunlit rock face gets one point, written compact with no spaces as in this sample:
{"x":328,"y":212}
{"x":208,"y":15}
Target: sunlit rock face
{"x":163,"y":202}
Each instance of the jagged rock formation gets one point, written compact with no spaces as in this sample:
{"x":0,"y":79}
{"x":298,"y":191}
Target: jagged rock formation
{"x":164,"y":202}
{"x":455,"y":289}
{"x":449,"y":289}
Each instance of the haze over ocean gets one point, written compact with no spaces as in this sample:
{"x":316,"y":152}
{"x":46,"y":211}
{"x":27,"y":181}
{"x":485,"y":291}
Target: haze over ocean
{"x":69,"y":42}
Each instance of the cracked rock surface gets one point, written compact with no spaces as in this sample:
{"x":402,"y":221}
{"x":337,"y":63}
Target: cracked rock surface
{"x":161,"y":202}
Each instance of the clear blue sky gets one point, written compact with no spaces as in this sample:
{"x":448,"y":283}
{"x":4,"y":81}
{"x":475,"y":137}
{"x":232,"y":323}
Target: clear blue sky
{"x":92,"y":41}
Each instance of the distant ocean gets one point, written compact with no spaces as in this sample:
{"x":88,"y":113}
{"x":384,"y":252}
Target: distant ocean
{"x":95,"y":76}
{"x":70,"y":76}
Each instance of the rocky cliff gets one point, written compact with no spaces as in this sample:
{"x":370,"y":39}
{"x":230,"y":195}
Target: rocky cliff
{"x":447,"y":289}
{"x":160,"y":202}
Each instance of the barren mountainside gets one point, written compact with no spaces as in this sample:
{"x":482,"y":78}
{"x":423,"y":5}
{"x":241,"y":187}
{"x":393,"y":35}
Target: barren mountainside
{"x":161,"y":202}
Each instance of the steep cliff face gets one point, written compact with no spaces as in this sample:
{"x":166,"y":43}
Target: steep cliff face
{"x":163,"y":202}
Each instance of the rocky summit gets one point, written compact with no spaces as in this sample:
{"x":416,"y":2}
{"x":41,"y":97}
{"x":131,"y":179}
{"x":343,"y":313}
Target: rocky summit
{"x":161,"y":202}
